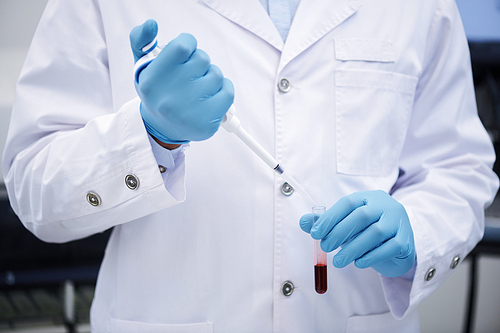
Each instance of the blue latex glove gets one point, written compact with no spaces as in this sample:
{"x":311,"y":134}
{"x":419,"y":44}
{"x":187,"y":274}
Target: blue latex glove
{"x":373,"y":229}
{"x":183,"y":96}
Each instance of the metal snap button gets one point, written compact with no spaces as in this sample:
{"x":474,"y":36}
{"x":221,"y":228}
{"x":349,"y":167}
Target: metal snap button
{"x":132,"y":182}
{"x":287,"y":288}
{"x":284,"y":85}
{"x":430,"y":274}
{"x":287,"y":189}
{"x":455,"y":262}
{"x":93,"y":199}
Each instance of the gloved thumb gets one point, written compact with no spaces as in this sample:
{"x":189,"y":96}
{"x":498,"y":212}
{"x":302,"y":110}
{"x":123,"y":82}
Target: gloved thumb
{"x":306,"y":222}
{"x":141,"y":36}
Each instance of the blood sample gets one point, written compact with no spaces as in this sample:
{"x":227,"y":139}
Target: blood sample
{"x":320,"y":283}
{"x":320,"y":270}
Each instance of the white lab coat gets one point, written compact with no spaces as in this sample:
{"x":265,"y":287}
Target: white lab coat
{"x":381,"y":98}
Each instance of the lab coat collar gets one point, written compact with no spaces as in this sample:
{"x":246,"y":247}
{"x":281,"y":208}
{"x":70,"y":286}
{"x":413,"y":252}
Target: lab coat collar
{"x":313,"y":20}
{"x":250,"y":15}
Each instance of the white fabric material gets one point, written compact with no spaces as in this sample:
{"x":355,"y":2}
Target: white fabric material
{"x":213,"y":248}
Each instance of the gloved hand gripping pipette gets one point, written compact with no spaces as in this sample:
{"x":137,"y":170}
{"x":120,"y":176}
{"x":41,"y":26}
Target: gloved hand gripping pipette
{"x":183,"y":95}
{"x":229,"y":121}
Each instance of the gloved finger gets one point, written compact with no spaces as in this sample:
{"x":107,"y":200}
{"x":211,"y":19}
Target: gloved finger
{"x":223,"y":99}
{"x":351,"y":227}
{"x":335,"y":214}
{"x":198,"y":64}
{"x":386,"y":251}
{"x":141,"y":36}
{"x":178,"y":51}
{"x":211,"y":83}
{"x":306,"y":222}
{"x":218,"y":105}
{"x":368,"y":240}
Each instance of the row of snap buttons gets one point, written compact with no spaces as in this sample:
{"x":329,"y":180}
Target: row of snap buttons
{"x":287,"y":189}
{"x":432,"y":271}
{"x":131,"y":181}
{"x":284,"y":86}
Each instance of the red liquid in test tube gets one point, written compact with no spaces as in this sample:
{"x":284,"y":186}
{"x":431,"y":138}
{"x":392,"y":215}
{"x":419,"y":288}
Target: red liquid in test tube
{"x":320,"y":283}
{"x":320,"y":267}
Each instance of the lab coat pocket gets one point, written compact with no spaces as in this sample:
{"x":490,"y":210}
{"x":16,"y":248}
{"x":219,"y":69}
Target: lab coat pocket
{"x":373,"y":110}
{"x":126,"y":326}
{"x":383,"y":323}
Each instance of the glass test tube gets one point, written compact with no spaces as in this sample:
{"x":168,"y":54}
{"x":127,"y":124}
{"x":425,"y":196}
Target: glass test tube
{"x":320,"y":276}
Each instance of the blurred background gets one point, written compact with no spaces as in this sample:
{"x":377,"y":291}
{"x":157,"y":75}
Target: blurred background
{"x":49,"y":287}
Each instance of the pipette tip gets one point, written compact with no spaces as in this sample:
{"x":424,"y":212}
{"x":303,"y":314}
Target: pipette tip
{"x":279,"y":169}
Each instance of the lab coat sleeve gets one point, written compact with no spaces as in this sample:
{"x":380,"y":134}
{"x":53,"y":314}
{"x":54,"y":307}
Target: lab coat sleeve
{"x":66,"y":139}
{"x":445,"y":179}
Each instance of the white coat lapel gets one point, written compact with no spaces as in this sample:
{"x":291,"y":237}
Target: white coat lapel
{"x":250,"y":15}
{"x":313,"y":20}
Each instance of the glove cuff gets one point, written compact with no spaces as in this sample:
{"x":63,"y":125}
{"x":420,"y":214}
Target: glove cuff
{"x":153,"y":132}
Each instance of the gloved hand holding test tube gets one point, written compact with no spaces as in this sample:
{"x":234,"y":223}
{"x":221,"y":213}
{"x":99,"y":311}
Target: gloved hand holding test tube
{"x":233,"y":125}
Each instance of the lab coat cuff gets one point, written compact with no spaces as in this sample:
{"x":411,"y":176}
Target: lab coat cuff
{"x":170,"y":164}
{"x":176,"y":189}
{"x":166,"y":157}
{"x":397,"y":292}
{"x":434,"y":265}
{"x":404,"y":293}
{"x":97,"y":195}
